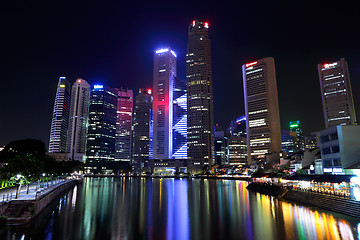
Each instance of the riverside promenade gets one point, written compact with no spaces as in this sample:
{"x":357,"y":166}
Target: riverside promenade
{"x":343,"y":205}
{"x":32,"y":200}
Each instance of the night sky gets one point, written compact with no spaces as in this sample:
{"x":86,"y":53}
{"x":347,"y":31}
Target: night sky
{"x":114,"y":43}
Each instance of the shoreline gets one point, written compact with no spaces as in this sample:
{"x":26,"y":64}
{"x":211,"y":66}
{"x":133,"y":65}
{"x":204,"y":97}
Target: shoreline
{"x":326,"y":202}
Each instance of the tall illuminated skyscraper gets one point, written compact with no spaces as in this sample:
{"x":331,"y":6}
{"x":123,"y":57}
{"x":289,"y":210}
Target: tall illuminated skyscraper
{"x":79,"y":113}
{"x":262,"y":109}
{"x":163,"y":88}
{"x":60,"y":118}
{"x":336,"y":94}
{"x":100,"y":146}
{"x":123,"y":125}
{"x":141,"y":129}
{"x":200,"y":117}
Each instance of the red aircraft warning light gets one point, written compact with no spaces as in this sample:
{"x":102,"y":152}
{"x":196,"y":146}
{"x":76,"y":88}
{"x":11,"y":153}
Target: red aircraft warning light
{"x":149,"y":91}
{"x":250,"y":64}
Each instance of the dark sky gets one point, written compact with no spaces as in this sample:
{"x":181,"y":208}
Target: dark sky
{"x":113,"y":43}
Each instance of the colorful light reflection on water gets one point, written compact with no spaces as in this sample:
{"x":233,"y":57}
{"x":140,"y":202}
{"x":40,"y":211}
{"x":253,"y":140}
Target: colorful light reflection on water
{"x":139,"y":208}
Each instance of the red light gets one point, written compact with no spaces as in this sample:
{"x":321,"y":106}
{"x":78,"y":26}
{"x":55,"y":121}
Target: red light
{"x":193,"y":23}
{"x":250,"y":64}
{"x":326,"y":65}
{"x":206,"y":24}
{"x":79,"y":80}
{"x":149,"y":91}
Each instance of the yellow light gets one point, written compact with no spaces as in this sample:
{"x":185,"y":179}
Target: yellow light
{"x":62,"y":85}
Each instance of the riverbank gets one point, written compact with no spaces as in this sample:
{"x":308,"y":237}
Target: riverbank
{"x":22,"y":211}
{"x":324,"y":201}
{"x":227,"y":177}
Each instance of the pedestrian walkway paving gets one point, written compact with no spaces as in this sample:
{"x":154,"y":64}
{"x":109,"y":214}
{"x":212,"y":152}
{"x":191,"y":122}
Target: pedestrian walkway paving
{"x":31,"y":192}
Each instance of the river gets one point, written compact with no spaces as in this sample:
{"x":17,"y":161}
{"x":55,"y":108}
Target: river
{"x":145,"y":208}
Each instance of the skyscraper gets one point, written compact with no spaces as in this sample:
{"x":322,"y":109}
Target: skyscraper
{"x":336,"y":94}
{"x":60,"y":117}
{"x":295,"y":127}
{"x":200,"y":115}
{"x":79,"y":112}
{"x":163,"y":88}
{"x":100,"y":147}
{"x":123,"y":125}
{"x":262,"y":109}
{"x":141,"y":128}
{"x":179,"y":119}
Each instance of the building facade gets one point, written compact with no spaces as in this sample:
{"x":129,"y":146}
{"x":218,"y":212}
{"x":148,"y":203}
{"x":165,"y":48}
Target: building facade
{"x":200,"y":117}
{"x":60,"y":117}
{"x":262,"y":109}
{"x":163,"y":88}
{"x":123,"y":125}
{"x":141,"y":129}
{"x":100,"y":150}
{"x":237,"y":150}
{"x":339,"y":149}
{"x":78,"y":119}
{"x":295,"y":127}
{"x":336,"y":94}
{"x":179,"y":119}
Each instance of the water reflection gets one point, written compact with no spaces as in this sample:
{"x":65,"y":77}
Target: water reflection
{"x":140,"y":208}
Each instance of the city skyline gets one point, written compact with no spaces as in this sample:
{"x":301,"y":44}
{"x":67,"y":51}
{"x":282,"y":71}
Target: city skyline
{"x":296,"y":59}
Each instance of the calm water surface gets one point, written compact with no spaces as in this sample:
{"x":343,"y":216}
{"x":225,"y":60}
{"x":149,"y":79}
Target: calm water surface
{"x":139,"y":208}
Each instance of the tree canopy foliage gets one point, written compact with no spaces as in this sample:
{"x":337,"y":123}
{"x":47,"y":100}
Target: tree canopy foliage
{"x":28,"y":157}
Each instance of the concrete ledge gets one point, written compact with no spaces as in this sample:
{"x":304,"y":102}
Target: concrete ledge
{"x":23,"y":211}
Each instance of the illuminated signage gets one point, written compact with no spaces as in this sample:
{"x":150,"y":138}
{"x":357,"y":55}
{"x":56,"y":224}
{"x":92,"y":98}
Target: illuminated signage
{"x":98,"y":86}
{"x":329,"y":65}
{"x":62,"y":85}
{"x":250,"y":64}
{"x":163,"y":50}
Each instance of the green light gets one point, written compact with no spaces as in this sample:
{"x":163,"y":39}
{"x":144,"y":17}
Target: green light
{"x":294,"y":124}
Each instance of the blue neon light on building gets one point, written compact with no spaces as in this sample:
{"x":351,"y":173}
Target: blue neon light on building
{"x":179,"y":119}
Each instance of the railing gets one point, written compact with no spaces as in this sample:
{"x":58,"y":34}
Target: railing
{"x":32,"y":191}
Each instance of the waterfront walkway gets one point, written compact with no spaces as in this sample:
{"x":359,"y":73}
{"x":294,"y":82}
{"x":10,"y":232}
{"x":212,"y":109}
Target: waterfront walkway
{"x":30,"y":192}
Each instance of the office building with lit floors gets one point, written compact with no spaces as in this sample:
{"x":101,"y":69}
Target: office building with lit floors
{"x":200,"y":117}
{"x":78,"y":118}
{"x":100,"y":147}
{"x":123,"y":127}
{"x":60,"y":117}
{"x":336,"y":93}
{"x":163,"y":88}
{"x":296,"y":128}
{"x":262,"y":111}
{"x":141,"y":130}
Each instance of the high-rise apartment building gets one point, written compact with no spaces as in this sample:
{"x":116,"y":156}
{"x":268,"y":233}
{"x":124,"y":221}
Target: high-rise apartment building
{"x":60,"y":117}
{"x":78,"y":118}
{"x":262,"y":109}
{"x":336,"y":94}
{"x":141,"y":129}
{"x":200,"y":122}
{"x":123,"y":125}
{"x":163,"y":88}
{"x":100,"y":150}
